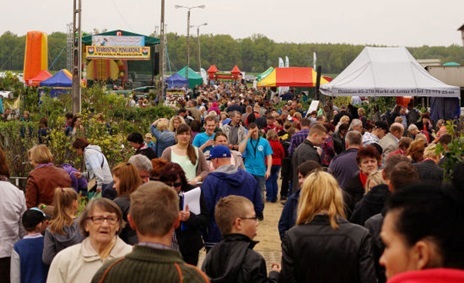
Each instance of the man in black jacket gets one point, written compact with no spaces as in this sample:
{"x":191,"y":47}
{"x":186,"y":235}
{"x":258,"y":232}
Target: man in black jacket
{"x":308,"y":150}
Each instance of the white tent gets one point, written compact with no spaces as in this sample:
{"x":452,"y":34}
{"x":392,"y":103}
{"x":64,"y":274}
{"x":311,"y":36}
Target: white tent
{"x":387,"y":71}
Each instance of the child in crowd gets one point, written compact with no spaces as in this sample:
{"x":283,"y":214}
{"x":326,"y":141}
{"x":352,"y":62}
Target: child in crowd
{"x":149,"y":141}
{"x":233,"y":259}
{"x":64,"y":230}
{"x":26,"y":258}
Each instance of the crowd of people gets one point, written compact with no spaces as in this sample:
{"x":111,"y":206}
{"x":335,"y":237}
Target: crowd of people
{"x":364,"y":198}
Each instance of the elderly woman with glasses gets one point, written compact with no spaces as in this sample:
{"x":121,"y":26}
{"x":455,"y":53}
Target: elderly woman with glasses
{"x":100,"y":223}
{"x":192,"y":224}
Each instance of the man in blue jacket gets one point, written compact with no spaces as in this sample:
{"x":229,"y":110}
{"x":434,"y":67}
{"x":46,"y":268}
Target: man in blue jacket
{"x":226,"y":180}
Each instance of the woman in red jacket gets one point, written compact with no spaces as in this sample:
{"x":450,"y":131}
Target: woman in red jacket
{"x":278,"y":154}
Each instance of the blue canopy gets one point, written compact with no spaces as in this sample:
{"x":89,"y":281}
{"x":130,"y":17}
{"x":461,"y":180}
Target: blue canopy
{"x":60,"y":79}
{"x":176,"y":80}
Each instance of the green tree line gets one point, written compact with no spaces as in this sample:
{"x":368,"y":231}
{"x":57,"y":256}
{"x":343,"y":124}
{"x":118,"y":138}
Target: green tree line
{"x":251,"y":54}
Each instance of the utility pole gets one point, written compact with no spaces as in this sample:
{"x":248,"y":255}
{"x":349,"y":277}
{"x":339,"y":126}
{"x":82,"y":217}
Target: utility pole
{"x":77,"y":60}
{"x":199,"y":47}
{"x":188,"y":32}
{"x":161,"y":53}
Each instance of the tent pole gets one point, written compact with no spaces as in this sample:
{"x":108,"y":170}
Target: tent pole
{"x":318,"y":81}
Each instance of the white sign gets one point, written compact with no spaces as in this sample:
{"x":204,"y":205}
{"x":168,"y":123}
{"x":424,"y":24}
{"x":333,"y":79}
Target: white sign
{"x":313,"y":107}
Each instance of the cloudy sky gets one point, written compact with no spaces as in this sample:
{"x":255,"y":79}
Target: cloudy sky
{"x":392,"y":23}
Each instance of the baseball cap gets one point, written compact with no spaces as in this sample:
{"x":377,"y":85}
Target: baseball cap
{"x":219,"y":151}
{"x":32,"y":217}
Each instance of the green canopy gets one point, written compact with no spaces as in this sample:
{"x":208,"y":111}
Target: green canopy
{"x":194,"y":79}
{"x":87,"y":40}
{"x":264,"y":74}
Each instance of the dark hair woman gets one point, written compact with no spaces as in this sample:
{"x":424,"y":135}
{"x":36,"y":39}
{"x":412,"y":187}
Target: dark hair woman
{"x":368,"y":159}
{"x":192,"y":225}
{"x":96,"y":166}
{"x":191,"y":159}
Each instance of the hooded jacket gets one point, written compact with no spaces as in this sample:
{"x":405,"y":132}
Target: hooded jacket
{"x":54,"y":243}
{"x":96,"y":165}
{"x":228,"y":180}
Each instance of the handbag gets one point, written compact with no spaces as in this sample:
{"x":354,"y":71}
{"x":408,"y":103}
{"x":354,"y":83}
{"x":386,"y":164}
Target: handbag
{"x":92,"y":183}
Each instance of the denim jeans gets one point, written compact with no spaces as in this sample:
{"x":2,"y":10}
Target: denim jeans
{"x":262,"y":185}
{"x":271,"y":184}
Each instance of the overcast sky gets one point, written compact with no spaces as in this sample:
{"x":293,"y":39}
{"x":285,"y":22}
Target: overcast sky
{"x":392,"y":23}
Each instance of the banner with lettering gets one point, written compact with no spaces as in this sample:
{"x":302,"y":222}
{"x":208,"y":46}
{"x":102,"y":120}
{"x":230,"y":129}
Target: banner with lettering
{"x":111,"y":40}
{"x":118,"y":52}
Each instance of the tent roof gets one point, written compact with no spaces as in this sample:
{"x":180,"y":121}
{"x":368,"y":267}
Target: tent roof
{"x":212,"y":69}
{"x":194,"y":79}
{"x":176,"y":80}
{"x":191,"y":73}
{"x":264,"y":74}
{"x":41,"y":76}
{"x":387,"y":71}
{"x":61,"y":79}
{"x":291,"y":76}
{"x":235,"y":70}
{"x":87,"y":40}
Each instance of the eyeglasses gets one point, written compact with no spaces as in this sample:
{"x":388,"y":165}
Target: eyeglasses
{"x":255,"y":218}
{"x":177,"y":184}
{"x":100,"y":219}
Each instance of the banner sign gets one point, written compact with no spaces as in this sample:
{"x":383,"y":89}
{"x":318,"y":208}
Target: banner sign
{"x":111,"y":40}
{"x":118,"y":52}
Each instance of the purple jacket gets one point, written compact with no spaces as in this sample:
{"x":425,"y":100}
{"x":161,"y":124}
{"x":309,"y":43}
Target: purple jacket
{"x":79,"y":184}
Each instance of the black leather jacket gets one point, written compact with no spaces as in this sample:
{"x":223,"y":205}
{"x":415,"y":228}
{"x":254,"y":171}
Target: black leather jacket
{"x":315,"y":252}
{"x":234,"y":261}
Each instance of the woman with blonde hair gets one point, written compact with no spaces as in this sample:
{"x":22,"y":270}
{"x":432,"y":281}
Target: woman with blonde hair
{"x":175,"y":122}
{"x":343,"y":120}
{"x":63,"y":230}
{"x":374,"y":179}
{"x":44,"y":178}
{"x":126,"y":180}
{"x":164,"y":137}
{"x":323,"y":241}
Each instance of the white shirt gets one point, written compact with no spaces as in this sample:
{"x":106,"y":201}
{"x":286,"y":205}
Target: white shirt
{"x":12,"y":207}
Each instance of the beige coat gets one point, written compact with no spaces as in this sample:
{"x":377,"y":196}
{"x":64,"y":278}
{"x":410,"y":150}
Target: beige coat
{"x":80,"y":262}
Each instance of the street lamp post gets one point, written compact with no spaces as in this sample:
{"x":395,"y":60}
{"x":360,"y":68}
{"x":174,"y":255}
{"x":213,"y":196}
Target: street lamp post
{"x":188,"y":31}
{"x":199,"y":48}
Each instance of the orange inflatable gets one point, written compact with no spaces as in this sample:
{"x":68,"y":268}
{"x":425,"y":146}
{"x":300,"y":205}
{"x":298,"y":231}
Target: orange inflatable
{"x":35,"y":55}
